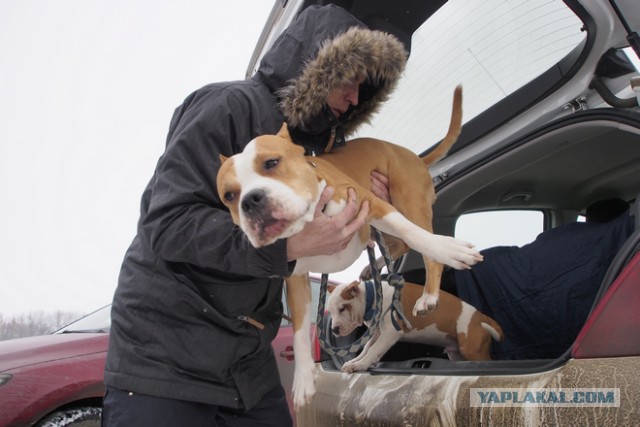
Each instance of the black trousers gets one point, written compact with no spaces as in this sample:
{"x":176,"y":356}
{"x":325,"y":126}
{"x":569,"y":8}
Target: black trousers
{"x":126,"y":409}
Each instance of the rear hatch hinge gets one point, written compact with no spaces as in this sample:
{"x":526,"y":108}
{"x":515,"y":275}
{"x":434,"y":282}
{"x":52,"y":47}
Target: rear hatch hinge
{"x":578,"y":104}
{"x":440,"y":178}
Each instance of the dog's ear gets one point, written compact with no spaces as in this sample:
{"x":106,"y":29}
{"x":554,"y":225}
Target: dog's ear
{"x":351,"y":291}
{"x":284,"y":132}
{"x":223,"y":158}
{"x":331,"y":287}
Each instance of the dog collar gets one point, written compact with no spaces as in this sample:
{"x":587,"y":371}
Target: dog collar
{"x":369,"y":299}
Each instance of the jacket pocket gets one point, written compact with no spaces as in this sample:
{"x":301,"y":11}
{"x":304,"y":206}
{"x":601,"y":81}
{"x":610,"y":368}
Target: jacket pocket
{"x":233,"y":299}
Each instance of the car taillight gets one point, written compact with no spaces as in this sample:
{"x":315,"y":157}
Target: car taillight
{"x":316,"y":351}
{"x":612,"y":328}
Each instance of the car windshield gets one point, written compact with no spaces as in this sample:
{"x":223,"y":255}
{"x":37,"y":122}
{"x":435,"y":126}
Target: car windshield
{"x":493,"y":48}
{"x":98,"y":321}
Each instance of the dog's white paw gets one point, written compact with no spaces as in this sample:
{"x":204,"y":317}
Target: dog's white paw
{"x":425,"y":304}
{"x":354,"y":366}
{"x":456,"y":253}
{"x":303,"y":386}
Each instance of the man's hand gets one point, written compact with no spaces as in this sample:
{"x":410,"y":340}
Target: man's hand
{"x":327,"y":235}
{"x":380,"y":186}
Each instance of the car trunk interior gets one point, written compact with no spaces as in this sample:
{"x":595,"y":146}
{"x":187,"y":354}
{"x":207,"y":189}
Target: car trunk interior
{"x":567,"y":165}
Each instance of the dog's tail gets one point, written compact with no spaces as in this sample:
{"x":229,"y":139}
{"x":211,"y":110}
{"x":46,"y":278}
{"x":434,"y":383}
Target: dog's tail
{"x":493,"y":328}
{"x":455,"y":127}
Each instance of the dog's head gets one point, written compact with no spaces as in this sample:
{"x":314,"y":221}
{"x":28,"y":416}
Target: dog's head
{"x":346,"y":304}
{"x":270,"y":188}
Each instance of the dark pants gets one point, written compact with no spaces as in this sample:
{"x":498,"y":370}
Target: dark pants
{"x":125,"y":409}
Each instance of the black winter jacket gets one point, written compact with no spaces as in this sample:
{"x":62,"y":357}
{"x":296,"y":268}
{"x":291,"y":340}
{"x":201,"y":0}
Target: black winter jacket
{"x":190,"y":274}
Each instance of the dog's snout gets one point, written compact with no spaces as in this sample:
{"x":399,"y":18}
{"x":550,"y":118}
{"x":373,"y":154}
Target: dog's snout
{"x":254,"y":201}
{"x":336,"y":330}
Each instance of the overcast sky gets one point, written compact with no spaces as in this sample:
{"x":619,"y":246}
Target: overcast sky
{"x":87,"y":89}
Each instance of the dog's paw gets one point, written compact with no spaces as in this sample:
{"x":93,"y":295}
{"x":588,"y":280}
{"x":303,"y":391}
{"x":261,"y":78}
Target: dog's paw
{"x":456,"y":253}
{"x":425,"y":304}
{"x":366,"y":274}
{"x":303,"y":387}
{"x":354,"y":366}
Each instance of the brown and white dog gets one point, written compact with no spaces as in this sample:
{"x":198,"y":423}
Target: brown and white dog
{"x":271,"y":190}
{"x":464,"y":332}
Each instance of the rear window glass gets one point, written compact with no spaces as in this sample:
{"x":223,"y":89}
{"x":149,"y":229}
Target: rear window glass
{"x":491,"y":47}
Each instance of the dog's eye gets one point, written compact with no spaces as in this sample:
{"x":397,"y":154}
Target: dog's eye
{"x":341,"y":309}
{"x":271,"y":163}
{"x":229,"y":196}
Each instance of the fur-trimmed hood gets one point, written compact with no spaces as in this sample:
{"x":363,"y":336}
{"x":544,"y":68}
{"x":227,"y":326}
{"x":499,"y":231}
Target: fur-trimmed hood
{"x":326,"y":48}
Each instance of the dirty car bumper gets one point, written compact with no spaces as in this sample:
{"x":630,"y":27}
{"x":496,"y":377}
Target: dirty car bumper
{"x":364,"y":399}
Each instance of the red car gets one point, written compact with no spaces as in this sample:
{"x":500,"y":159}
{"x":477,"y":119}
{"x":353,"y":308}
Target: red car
{"x":56,"y":380}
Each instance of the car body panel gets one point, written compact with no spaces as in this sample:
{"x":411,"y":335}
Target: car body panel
{"x":18,"y":353}
{"x":612,"y":329}
{"x":426,"y":400}
{"x":49,"y":372}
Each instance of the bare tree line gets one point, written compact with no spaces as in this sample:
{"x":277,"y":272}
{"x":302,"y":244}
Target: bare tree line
{"x":34,"y":323}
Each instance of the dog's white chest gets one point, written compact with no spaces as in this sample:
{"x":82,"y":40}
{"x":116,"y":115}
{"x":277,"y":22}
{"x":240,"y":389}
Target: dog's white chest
{"x":331,"y":263}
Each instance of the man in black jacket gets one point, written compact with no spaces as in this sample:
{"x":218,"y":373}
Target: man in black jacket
{"x":181,"y":350}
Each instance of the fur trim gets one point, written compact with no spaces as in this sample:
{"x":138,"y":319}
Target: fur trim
{"x":357,"y":51}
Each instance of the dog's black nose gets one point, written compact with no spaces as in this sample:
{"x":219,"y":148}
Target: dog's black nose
{"x":336,"y":330}
{"x":254,"y":201}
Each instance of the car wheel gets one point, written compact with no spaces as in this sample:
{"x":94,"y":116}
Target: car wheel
{"x":77,"y":417}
